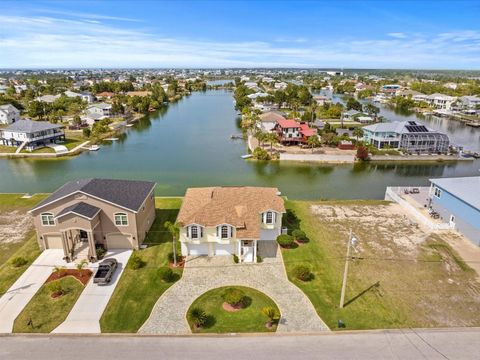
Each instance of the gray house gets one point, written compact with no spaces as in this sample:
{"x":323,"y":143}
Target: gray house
{"x":31,"y":134}
{"x":457,"y":200}
{"x":9,"y":114}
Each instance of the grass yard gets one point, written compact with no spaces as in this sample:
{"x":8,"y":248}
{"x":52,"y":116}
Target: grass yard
{"x":402,"y":277}
{"x":44,"y":313}
{"x":248,"y":319}
{"x":7,"y":149}
{"x":138,"y":290}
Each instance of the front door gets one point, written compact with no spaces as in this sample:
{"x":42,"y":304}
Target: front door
{"x":83,"y":236}
{"x":247,"y":251}
{"x":452,"y":222}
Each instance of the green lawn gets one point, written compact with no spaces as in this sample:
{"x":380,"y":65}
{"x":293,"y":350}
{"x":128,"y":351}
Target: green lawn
{"x":7,"y":149}
{"x":138,"y":290}
{"x":248,"y":319}
{"x":45,"y":313}
{"x":391,"y":285}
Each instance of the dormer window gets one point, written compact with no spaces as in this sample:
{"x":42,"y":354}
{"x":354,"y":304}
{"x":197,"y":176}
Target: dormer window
{"x":268,"y":217}
{"x":195,"y":232}
{"x":224,"y":231}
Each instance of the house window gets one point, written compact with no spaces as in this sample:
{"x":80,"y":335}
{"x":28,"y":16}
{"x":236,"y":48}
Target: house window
{"x":437,"y":192}
{"x":121,"y":219}
{"x":224,"y":233}
{"x":47,"y":219}
{"x":269,"y":218}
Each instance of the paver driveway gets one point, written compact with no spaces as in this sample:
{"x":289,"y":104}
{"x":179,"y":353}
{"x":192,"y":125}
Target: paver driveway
{"x":85,"y":315}
{"x":22,"y":291}
{"x":202,"y":274}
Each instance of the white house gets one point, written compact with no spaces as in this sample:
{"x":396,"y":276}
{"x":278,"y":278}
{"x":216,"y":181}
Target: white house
{"x":227,"y":221}
{"x":9,"y":114}
{"x":31,"y":134}
{"x":47,"y":98}
{"x":440,"y":101}
{"x":85,"y":96}
{"x":470,"y":102}
{"x":99,"y":110}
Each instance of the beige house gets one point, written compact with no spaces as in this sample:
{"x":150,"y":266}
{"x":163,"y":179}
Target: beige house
{"x":223,"y":221}
{"x":84,"y":214}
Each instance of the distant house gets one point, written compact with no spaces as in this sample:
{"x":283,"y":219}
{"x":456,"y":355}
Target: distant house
{"x":469,"y":102}
{"x":291,"y":132}
{"x":390,"y":90}
{"x":411,"y":136}
{"x":350,"y":115}
{"x":408,"y":93}
{"x":47,"y":98}
{"x":9,"y":114}
{"x":99,"y":110}
{"x":322,"y":99}
{"x":457,"y":200}
{"x":280,"y":85}
{"x":105,"y":95}
{"x":440,"y":101}
{"x":226,"y":221}
{"x":139,"y":93}
{"x":364,"y":119}
{"x":31,"y":134}
{"x":85,"y":95}
{"x":269,"y":119}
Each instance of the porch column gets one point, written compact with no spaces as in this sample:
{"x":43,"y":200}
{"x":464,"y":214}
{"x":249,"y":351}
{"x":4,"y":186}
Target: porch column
{"x":65,"y":244}
{"x":255,"y":251}
{"x":239,"y":250}
{"x":91,"y":246}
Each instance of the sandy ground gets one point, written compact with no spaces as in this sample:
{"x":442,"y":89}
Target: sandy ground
{"x":14,"y":226}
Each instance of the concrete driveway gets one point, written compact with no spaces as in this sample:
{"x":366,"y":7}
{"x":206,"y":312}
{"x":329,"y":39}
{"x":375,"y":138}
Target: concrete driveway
{"x":22,"y":291}
{"x":202,"y":274}
{"x":85,"y":315}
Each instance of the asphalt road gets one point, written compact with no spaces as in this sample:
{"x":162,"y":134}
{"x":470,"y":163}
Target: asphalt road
{"x":395,"y":344}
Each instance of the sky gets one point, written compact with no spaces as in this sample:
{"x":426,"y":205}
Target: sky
{"x":222,"y":34}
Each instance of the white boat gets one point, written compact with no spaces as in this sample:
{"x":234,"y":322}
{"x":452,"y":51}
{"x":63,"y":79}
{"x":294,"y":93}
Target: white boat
{"x":129,"y":125}
{"x":94,"y":148}
{"x":248,"y":156}
{"x":111,"y":139}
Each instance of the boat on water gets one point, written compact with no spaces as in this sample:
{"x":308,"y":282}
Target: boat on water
{"x":94,"y":148}
{"x":247,"y":156}
{"x":129,"y":125}
{"x":111,"y":139}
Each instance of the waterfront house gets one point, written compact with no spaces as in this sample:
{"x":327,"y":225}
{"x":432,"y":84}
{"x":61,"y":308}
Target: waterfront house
{"x":440,"y":101}
{"x":269,"y":119}
{"x":457,"y":201}
{"x":410,"y":136}
{"x":31,"y":134}
{"x":469,"y":102}
{"x":226,"y":221}
{"x":291,"y":132}
{"x":322,"y":99}
{"x":390,"y":90}
{"x":84,"y":95}
{"x":9,"y":114}
{"x":105,"y":95}
{"x":350,"y":115}
{"x":85,"y":214}
{"x":99,"y":111}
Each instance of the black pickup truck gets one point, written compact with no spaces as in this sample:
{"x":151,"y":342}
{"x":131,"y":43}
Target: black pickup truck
{"x":105,"y":271}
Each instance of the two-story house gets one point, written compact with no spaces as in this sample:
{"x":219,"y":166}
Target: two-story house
{"x":31,"y":134}
{"x":222,"y":221}
{"x":292,"y":132}
{"x":100,"y":110}
{"x":86,"y":213}
{"x":9,"y":114}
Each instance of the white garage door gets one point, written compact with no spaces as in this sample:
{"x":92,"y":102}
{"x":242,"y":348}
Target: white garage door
{"x":221,"y":249}
{"x":198,"y":249}
{"x":119,"y":241}
{"x":53,"y":242}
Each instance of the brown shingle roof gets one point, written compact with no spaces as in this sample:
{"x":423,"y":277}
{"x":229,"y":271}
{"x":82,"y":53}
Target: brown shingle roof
{"x":237,"y":206}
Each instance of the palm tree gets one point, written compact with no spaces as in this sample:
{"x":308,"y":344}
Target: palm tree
{"x":270,"y":313}
{"x":174,"y":232}
{"x":272,"y":138}
{"x":358,"y":132}
{"x":313,"y":141}
{"x":198,"y":317}
{"x":80,"y":265}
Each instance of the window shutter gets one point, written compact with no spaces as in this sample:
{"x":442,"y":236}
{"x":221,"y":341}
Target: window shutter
{"x":274,"y":217}
{"x":189,"y":232}
{"x":264,"y":217}
{"x":219,"y":231}
{"x":230,"y":231}
{"x":201,"y":231}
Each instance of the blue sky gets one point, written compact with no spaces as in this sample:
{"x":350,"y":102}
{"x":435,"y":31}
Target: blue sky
{"x":349,"y":34}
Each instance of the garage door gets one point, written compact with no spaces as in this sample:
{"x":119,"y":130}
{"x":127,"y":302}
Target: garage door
{"x":198,"y":249}
{"x":119,"y":241}
{"x":221,"y":249}
{"x":53,"y":242}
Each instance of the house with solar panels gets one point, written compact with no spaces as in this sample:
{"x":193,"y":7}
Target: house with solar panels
{"x":409,"y":136}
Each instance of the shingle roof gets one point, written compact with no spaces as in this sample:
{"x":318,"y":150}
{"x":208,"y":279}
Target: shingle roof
{"x":81,"y":208}
{"x":129,"y":194}
{"x":271,"y":116}
{"x":8,"y":107}
{"x":464,"y":188}
{"x":237,"y":206}
{"x":30,"y":126}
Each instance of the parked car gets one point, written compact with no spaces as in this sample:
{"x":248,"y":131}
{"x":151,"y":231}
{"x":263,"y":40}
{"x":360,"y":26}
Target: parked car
{"x":105,"y":271}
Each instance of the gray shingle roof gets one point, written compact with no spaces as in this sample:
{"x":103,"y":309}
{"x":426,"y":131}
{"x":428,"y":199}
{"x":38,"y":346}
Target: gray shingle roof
{"x":129,"y":194}
{"x":81,"y":208}
{"x":30,"y":126}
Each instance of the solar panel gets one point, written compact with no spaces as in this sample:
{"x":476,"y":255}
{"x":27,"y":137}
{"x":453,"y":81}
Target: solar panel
{"x":416,"y":128}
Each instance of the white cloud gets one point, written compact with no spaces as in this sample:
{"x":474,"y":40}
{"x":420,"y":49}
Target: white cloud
{"x":397,"y":35}
{"x":46,"y":41}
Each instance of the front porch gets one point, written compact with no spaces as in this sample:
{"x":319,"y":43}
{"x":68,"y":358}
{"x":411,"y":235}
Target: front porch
{"x":78,"y":245}
{"x":250,"y":250}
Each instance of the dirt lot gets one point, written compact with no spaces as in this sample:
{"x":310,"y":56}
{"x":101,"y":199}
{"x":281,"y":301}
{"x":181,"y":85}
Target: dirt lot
{"x":428,"y":283}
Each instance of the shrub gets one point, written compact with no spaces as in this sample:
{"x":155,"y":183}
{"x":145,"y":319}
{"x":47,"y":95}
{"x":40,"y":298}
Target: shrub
{"x":233,"y":296}
{"x":285,"y":240}
{"x":259,"y":259}
{"x":136,"y":262}
{"x":260,"y":154}
{"x":299,"y":235}
{"x":302,"y":272}
{"x":57,"y":289}
{"x":235,"y":259}
{"x":197,"y":316}
{"x":362,"y":153}
{"x":19,"y":261}
{"x":269,"y":312}
{"x":171,"y":257}
{"x":86,"y":132}
{"x":166,"y":274}
{"x":100,"y":251}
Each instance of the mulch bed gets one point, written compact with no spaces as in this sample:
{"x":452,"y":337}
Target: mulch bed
{"x":81,"y":275}
{"x":227,"y":307}
{"x":180,"y":263}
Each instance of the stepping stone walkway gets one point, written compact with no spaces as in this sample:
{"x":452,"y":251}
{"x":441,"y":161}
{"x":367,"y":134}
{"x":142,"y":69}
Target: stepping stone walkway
{"x":205,"y":273}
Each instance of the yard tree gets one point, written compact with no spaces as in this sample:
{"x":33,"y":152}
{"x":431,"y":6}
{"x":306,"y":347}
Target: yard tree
{"x":362,"y":153}
{"x":313,"y":142}
{"x":371,"y":110}
{"x":174,"y":231}
{"x":353,"y":104}
{"x":271,"y":138}
{"x":358,"y":132}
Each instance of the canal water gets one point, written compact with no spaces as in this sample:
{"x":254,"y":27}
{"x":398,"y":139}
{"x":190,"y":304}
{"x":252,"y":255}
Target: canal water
{"x":188,"y":144}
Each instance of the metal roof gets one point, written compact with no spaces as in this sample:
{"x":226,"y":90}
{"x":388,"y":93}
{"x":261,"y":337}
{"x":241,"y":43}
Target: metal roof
{"x":464,"y":188}
{"x":30,"y":126}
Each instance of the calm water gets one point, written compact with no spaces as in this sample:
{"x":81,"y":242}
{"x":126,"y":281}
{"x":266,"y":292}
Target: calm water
{"x":189,"y":144}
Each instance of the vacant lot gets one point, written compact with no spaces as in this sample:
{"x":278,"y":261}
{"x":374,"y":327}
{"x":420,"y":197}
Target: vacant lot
{"x":403,"y":276}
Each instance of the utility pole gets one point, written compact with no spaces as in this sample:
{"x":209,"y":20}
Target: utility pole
{"x":345,"y":272}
